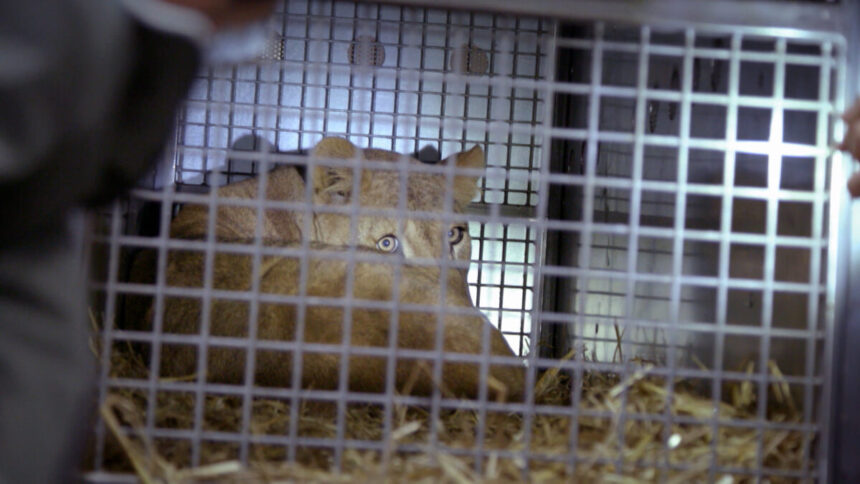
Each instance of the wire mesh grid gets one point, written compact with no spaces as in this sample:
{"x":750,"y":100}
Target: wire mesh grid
{"x":657,"y":196}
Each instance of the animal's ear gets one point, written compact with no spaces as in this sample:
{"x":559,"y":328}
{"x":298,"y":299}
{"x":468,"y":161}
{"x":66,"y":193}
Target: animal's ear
{"x":333,"y":184}
{"x":466,"y":186}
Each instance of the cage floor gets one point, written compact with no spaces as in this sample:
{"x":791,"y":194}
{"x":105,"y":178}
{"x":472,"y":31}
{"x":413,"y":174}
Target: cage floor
{"x":669,"y":435}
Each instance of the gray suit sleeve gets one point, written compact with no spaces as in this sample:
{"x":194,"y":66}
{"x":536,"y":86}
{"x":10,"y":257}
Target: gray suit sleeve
{"x":61,"y":64}
{"x":87,"y":98}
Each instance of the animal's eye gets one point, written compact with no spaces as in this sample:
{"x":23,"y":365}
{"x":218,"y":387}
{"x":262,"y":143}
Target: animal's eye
{"x":455,"y":235}
{"x":389,"y":243}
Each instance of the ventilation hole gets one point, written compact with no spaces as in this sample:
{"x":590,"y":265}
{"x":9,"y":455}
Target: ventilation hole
{"x":470,"y":59}
{"x":274,"y":50}
{"x":366,"y":51}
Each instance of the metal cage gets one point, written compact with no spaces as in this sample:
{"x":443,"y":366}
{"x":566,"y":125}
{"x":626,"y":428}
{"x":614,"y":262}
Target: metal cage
{"x":661,"y":200}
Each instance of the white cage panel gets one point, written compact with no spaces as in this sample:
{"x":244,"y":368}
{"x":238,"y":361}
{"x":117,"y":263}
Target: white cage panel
{"x":402,"y":101}
{"x":652,"y":235}
{"x":502,"y":279}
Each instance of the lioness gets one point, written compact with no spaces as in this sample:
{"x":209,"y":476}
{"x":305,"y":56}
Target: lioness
{"x":412,"y":238}
{"x":333,"y":185}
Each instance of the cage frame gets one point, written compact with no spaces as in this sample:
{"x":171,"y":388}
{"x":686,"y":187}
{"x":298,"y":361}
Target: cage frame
{"x":775,"y":18}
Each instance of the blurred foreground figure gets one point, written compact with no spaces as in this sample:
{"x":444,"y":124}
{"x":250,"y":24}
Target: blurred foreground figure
{"x":88,"y":90}
{"x":851,"y":143}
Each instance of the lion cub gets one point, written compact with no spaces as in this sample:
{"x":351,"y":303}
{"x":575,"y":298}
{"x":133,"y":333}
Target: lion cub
{"x":414,"y":238}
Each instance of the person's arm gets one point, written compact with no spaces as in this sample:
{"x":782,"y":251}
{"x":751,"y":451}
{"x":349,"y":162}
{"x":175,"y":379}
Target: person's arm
{"x":88,"y":91}
{"x":87,"y":97}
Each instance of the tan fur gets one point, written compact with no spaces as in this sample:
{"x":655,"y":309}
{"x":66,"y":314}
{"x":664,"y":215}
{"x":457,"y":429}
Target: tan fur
{"x":334,"y":185}
{"x":283,"y":184}
{"x":380,"y":188}
{"x":324,"y":324}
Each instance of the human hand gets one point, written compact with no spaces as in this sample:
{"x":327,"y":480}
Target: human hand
{"x":225,"y":14}
{"x":851,"y":143}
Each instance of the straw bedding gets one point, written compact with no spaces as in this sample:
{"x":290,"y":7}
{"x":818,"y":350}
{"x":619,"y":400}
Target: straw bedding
{"x":608,"y":448}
